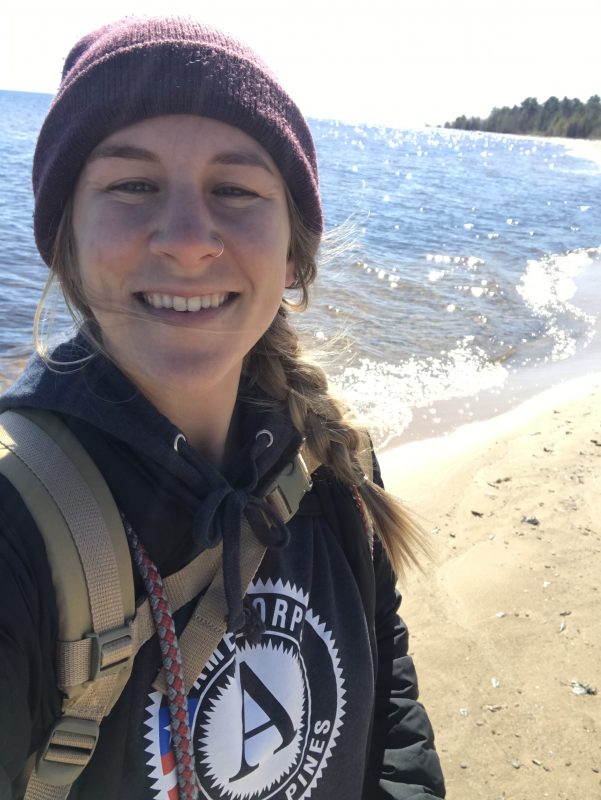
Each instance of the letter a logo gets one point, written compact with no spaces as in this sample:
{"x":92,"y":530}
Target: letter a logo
{"x":277,"y":716}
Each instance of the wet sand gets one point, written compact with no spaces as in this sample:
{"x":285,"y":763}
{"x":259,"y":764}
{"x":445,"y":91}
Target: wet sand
{"x":506,"y":623}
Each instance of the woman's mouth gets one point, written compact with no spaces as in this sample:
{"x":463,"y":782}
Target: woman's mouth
{"x":179,"y":303}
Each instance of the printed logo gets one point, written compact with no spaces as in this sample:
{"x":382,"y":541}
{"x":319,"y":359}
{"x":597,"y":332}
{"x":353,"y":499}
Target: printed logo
{"x":264,"y":718}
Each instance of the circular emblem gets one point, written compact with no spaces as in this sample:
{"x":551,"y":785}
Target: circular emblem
{"x":264,"y":717}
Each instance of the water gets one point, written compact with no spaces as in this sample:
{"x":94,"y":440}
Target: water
{"x":472,"y":271}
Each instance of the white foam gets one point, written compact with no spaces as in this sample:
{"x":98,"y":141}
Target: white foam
{"x":384,"y":395}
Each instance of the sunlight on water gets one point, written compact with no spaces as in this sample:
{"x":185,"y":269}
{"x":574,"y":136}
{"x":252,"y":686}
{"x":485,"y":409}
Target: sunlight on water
{"x":466,"y":261}
{"x":547,"y":287}
{"x":386,"y":394}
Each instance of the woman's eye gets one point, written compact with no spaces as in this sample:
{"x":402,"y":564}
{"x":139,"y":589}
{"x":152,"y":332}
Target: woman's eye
{"x":133,"y":187}
{"x":234,"y":191}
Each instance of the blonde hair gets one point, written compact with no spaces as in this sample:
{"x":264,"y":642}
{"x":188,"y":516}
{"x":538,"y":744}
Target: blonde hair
{"x":277,"y":365}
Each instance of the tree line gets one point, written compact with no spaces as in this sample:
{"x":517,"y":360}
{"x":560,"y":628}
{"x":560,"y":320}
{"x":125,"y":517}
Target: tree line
{"x":568,"y":118}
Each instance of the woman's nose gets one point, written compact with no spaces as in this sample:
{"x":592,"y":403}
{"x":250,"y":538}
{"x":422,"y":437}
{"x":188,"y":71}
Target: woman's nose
{"x":185,"y":231}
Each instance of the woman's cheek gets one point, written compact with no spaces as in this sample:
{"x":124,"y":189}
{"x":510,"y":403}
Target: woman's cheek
{"x":260,"y":226}
{"x":105,"y":245}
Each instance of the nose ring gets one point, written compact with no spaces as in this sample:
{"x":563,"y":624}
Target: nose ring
{"x":221,"y":245}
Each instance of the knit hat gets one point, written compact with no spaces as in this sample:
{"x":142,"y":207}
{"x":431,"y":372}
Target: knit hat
{"x":134,"y":69}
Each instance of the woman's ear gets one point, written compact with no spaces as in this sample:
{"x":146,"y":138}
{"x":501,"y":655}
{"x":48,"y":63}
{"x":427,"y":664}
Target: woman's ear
{"x":290,"y":273}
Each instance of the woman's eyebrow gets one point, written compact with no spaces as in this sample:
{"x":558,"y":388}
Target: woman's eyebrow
{"x":123,"y":151}
{"x":245,"y":158}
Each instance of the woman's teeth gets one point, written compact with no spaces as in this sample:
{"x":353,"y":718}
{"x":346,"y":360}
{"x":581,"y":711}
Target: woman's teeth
{"x":185,"y":303}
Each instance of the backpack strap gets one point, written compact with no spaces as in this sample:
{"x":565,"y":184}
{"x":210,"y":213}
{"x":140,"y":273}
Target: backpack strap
{"x":181,"y":587}
{"x":90,"y":566}
{"x":207,"y":627}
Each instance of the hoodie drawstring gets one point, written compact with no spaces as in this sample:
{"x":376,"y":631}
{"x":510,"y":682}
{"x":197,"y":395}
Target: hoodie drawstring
{"x":219,"y":519}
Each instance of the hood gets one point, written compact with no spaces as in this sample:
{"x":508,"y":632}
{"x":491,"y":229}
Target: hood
{"x":93,"y":395}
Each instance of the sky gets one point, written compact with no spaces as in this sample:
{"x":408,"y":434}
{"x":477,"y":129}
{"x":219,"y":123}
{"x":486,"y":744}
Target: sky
{"x":404,"y":63}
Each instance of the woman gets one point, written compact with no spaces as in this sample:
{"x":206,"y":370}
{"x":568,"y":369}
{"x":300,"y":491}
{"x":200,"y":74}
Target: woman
{"x":176,"y":198}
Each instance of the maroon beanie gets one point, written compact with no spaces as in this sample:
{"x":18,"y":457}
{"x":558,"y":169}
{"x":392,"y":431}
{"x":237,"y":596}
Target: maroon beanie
{"x":134,"y":69}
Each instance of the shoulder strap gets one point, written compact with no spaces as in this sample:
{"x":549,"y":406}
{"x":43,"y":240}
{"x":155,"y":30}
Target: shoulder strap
{"x":90,"y":566}
{"x":206,"y":627}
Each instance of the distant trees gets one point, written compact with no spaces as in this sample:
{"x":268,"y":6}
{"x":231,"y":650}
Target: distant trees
{"x":569,"y":118}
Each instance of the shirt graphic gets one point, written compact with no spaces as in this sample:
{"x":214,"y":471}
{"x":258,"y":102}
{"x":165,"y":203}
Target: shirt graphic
{"x":264,"y":718}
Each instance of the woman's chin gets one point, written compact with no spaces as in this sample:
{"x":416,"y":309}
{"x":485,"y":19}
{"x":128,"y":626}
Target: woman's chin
{"x":182,"y":373}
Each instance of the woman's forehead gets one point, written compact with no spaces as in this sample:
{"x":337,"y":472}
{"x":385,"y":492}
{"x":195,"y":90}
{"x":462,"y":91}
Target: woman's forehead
{"x":184,"y":133}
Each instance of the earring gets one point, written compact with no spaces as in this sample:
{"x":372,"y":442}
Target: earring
{"x":221,"y":244}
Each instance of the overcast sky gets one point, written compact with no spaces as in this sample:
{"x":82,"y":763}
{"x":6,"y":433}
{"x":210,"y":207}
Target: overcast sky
{"x":397,"y":62}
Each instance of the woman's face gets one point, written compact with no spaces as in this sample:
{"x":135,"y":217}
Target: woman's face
{"x":150,"y":207}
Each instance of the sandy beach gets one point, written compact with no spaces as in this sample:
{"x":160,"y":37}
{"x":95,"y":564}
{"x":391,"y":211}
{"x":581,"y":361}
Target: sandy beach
{"x":506,"y":621}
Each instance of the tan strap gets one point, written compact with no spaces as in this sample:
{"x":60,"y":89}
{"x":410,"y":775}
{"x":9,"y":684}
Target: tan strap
{"x":85,"y":543}
{"x":75,"y":658}
{"x":181,"y":587}
{"x":71,"y":743}
{"x":73,"y":495}
{"x":51,"y":470}
{"x":290,"y":485}
{"x":364,"y":456}
{"x":207,"y":626}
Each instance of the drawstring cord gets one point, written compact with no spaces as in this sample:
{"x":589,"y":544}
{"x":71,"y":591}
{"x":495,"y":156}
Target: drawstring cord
{"x":219,"y":519}
{"x":222,"y":512}
{"x":171,"y":657}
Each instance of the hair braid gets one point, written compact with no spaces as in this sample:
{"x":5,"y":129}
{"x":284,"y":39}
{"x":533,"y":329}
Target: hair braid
{"x":277,"y":366}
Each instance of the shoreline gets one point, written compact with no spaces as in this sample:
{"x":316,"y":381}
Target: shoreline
{"x":402,"y":465}
{"x":504,"y":622}
{"x":478,"y":432}
{"x":443,"y":417}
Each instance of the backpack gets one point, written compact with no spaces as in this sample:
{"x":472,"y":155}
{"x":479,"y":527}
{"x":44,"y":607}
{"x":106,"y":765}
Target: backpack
{"x":100,"y":628}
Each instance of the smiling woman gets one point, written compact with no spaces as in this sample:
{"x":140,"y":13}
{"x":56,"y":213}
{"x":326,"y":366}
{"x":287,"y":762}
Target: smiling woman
{"x":176,"y":195}
{"x":182,"y":242}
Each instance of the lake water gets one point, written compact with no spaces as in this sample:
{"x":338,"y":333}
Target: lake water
{"x":471,"y":274}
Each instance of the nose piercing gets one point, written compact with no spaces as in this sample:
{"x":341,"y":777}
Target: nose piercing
{"x":222,"y":246}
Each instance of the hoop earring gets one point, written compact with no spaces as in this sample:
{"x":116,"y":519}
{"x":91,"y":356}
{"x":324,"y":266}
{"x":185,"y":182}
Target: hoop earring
{"x":220,"y":241}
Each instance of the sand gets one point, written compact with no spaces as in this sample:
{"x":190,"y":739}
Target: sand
{"x":509,"y":614}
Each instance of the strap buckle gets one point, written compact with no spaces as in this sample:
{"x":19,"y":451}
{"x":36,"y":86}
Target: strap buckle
{"x":111,"y":650}
{"x":68,"y":751}
{"x":289,"y":488}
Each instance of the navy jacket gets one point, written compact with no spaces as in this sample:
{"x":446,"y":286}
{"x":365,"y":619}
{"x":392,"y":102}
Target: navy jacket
{"x":324,"y":706}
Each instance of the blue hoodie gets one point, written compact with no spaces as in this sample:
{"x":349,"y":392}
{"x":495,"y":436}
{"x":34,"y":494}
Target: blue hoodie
{"x":323,"y":706}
